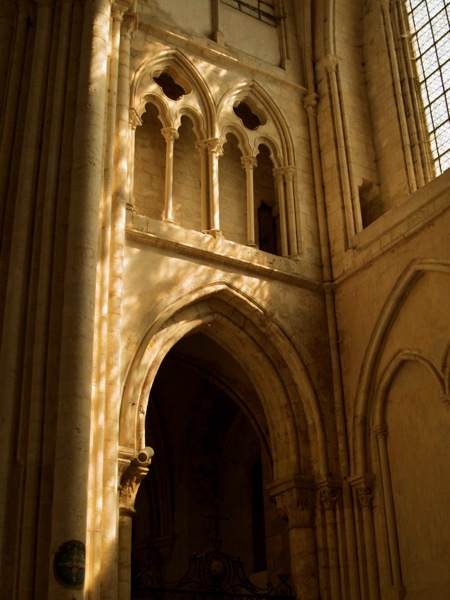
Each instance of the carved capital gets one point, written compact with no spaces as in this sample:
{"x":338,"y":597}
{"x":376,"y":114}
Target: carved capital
{"x":295,"y":503}
{"x":213,"y":146}
{"x":134,"y":119}
{"x":170,"y":134}
{"x":118,"y":9}
{"x":446,"y":401}
{"x":364,"y":495}
{"x":248,"y":163}
{"x":330,"y":63}
{"x":328,"y":495}
{"x":129,"y":25}
{"x":310,"y":104}
{"x":278,"y":173}
{"x":288,"y":173}
{"x":131,"y":479}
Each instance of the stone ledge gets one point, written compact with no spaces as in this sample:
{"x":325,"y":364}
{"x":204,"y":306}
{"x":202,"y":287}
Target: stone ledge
{"x":216,"y":249}
{"x":397,"y":224}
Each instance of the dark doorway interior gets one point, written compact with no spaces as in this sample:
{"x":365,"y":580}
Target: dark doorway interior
{"x":211,"y":468}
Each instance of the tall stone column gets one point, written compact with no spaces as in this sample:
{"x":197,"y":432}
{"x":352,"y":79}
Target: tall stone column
{"x":363,"y":487}
{"x":71,"y":473}
{"x":214,"y":151}
{"x":328,"y":497}
{"x":279,"y":184}
{"x":296,"y":505}
{"x":170,"y":135}
{"x":288,"y":174}
{"x":131,"y":474}
{"x":381,"y":433}
{"x":135,"y":121}
{"x":248,"y":164}
{"x":201,"y":149}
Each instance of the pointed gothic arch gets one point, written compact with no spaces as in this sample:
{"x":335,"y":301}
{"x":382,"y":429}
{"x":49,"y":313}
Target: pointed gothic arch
{"x":364,"y":395}
{"x":280,"y":377}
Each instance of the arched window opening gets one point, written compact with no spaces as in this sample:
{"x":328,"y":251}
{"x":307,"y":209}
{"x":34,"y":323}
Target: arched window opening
{"x":232,"y":193}
{"x":169,"y":86}
{"x":430,"y":35}
{"x":149,"y":165}
{"x":268,"y":236}
{"x":186,"y":178}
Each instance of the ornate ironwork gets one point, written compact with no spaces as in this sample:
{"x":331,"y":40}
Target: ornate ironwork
{"x":211,"y":574}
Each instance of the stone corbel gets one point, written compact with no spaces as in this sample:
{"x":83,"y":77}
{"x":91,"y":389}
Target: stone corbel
{"x":132,"y":471}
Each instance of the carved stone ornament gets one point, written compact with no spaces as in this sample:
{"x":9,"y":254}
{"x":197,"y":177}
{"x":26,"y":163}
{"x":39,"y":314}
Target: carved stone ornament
{"x":69,"y":564}
{"x":131,"y":479}
{"x":328,"y":497}
{"x":295,"y":505}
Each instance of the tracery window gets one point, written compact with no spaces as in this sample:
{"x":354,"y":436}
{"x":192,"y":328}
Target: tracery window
{"x":429,"y":22}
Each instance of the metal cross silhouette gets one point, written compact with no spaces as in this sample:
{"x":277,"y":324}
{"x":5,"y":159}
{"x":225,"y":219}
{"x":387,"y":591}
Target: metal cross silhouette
{"x":217,"y":517}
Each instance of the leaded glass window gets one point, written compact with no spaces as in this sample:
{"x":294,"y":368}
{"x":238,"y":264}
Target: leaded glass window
{"x":429,"y":22}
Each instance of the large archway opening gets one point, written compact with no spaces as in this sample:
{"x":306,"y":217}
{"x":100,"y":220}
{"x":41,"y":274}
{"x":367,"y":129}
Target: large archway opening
{"x":212,"y":468}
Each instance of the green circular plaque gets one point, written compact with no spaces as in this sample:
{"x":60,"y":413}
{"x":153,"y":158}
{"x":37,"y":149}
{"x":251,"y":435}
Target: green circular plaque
{"x":69,"y":564}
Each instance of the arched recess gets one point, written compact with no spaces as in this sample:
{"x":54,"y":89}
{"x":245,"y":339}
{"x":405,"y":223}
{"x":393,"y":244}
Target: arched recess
{"x":367,"y":383}
{"x":411,"y":444}
{"x":277,"y":372}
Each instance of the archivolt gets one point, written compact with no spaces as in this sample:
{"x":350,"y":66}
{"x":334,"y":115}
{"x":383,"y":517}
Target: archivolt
{"x":364,"y":395}
{"x":249,"y":333}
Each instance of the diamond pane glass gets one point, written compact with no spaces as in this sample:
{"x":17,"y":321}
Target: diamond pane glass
{"x":429,"y":22}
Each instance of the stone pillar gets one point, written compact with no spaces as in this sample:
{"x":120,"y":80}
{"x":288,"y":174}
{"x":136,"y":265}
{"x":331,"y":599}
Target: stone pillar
{"x":363,"y":487}
{"x":353,"y":221}
{"x":214,"y":151}
{"x":170,"y":135}
{"x":328,"y":495}
{"x":381,"y":434}
{"x":295,"y":503}
{"x":279,"y":185}
{"x":131,"y":474}
{"x":135,"y":121}
{"x":71,"y":474}
{"x":288,"y":175}
{"x":201,"y":148}
{"x":248,"y":164}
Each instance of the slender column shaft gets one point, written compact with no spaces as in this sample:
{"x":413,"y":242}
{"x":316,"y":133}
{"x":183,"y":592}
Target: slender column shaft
{"x":381,"y":433}
{"x":310,"y":103}
{"x":248,"y":164}
{"x":15,"y":294}
{"x":114,"y":363}
{"x":129,"y":485}
{"x":278,"y":174}
{"x":201,"y":147}
{"x":295,"y":503}
{"x":401,"y":113}
{"x":69,"y":514}
{"x":135,"y":121}
{"x":9,"y":114}
{"x":364,"y":497}
{"x":352,"y":217}
{"x":328,"y":497}
{"x":214,"y":151}
{"x":170,"y":135}
{"x":288,"y":174}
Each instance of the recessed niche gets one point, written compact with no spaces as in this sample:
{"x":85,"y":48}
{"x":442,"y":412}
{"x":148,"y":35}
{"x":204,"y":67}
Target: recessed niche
{"x":169,"y":86}
{"x":249,"y":115}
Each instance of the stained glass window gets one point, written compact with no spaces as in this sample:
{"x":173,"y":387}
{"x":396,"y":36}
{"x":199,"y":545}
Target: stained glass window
{"x":429,"y":22}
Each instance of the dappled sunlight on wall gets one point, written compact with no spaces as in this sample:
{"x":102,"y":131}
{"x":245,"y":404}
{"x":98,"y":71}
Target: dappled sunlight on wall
{"x":149,"y":166}
{"x":186,"y":183}
{"x":233,"y":212}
